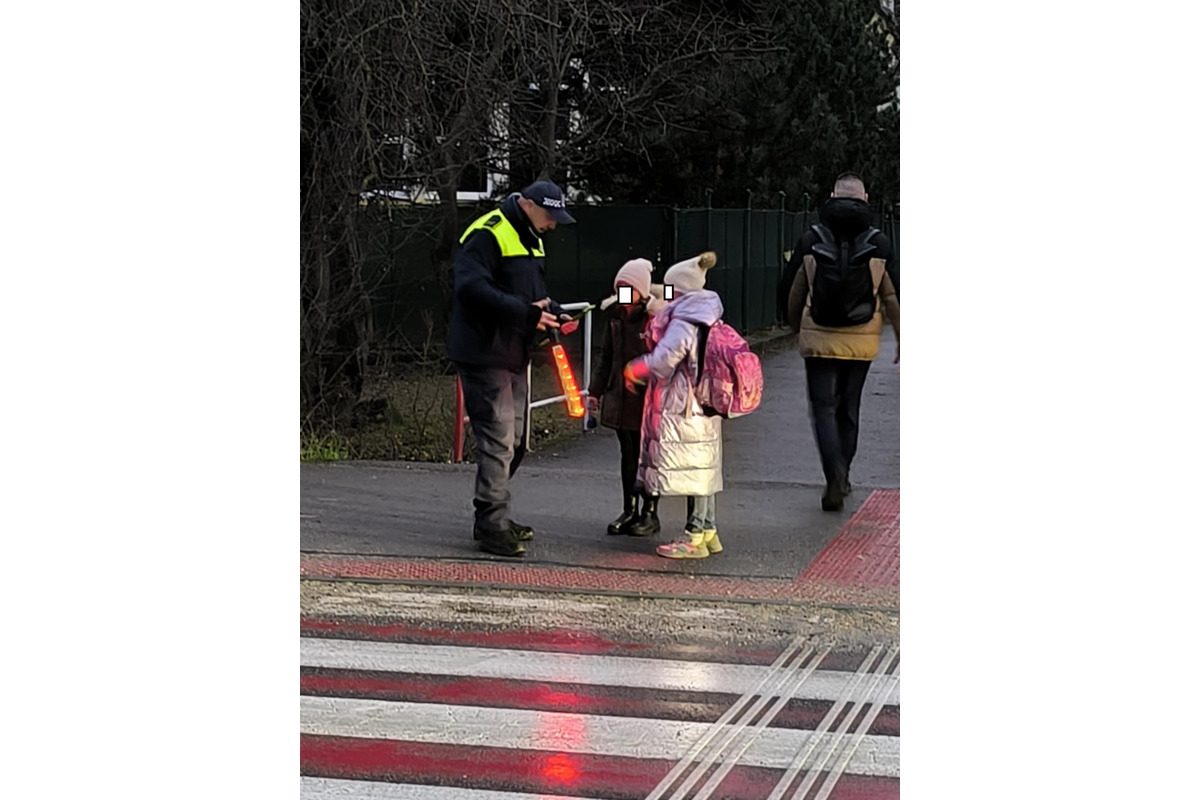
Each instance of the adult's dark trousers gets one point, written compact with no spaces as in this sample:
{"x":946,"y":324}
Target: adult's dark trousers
{"x":631,"y":449}
{"x":495,"y":401}
{"x":835,"y":388}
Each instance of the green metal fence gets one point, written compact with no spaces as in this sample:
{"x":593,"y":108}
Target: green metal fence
{"x":581,"y":259}
{"x":751,"y":245}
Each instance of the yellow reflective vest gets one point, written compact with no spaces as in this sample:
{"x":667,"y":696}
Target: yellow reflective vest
{"x":506,"y":235}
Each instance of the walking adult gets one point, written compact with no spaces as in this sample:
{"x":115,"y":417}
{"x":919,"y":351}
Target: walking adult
{"x":843,"y":278}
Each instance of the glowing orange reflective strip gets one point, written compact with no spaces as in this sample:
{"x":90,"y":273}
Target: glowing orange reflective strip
{"x":566,"y":379}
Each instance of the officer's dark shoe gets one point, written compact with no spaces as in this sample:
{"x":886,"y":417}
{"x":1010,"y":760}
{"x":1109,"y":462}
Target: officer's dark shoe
{"x":647,"y":524}
{"x":501,"y":544}
{"x":621,"y":524}
{"x":523,"y":533}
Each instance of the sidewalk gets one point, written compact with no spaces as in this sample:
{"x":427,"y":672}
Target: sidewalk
{"x":412,"y":522}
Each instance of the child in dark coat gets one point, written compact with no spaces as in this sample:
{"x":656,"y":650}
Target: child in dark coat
{"x":626,"y":315}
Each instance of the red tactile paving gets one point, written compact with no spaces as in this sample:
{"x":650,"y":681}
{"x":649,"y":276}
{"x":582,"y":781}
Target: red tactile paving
{"x":534,"y":576}
{"x":866,"y":552}
{"x":860,"y":567}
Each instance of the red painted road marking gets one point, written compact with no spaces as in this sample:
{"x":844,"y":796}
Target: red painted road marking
{"x":570,"y":698}
{"x":580,"y":643}
{"x":549,"y":641}
{"x":541,"y":771}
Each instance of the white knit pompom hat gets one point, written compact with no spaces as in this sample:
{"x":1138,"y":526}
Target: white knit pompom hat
{"x":688,"y":276}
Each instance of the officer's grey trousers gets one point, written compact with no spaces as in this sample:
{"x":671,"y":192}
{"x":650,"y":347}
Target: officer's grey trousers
{"x":495,"y":401}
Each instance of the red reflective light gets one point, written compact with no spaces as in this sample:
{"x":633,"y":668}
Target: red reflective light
{"x":566,"y":379}
{"x":561,"y":768}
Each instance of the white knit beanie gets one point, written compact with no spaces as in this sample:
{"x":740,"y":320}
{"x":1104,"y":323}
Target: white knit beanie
{"x":688,"y":276}
{"x":635,"y":273}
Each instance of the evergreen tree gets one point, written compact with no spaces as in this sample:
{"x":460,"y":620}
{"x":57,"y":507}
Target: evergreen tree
{"x":820,"y":101}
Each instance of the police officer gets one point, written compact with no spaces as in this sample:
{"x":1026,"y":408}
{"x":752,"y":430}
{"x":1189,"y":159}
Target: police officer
{"x":500,"y":303}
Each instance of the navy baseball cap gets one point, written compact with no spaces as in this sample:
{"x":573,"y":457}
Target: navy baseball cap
{"x":550,"y":197}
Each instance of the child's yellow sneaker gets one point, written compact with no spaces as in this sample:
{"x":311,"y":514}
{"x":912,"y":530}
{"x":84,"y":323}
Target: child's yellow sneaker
{"x":690,"y":545}
{"x":712,"y":541}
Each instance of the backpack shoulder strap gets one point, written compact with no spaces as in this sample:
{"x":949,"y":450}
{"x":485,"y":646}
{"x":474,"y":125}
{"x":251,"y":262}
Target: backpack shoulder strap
{"x":864,"y":240}
{"x":701,"y":346}
{"x":863,"y":244}
{"x":827,"y":246}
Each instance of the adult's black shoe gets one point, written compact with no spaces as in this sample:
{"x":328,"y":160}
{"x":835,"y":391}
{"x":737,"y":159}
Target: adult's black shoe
{"x":833,"y":499}
{"x":501,"y":544}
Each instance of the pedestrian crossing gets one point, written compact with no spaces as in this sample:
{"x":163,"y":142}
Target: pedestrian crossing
{"x":403,"y":720}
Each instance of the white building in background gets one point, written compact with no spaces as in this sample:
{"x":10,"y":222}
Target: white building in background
{"x":488,"y":170}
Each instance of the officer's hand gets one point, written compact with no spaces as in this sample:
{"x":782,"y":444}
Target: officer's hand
{"x":548,"y":320}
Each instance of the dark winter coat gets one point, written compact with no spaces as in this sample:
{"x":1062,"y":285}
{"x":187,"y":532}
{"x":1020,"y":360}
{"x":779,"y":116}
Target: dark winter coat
{"x":493,"y":321}
{"x":624,"y":340}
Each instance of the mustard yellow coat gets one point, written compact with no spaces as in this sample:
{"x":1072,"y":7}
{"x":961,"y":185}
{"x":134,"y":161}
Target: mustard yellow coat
{"x":857,"y":342}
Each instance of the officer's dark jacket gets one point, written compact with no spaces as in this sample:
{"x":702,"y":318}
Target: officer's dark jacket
{"x":499,"y":272}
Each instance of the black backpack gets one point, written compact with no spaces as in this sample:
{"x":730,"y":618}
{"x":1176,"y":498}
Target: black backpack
{"x":843,"y":292}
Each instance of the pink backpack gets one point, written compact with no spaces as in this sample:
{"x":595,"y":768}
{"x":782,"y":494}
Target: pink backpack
{"x":730,"y":381}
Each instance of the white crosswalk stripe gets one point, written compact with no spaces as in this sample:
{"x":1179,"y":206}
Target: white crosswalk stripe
{"x":479,"y":662}
{"x":537,"y":730}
